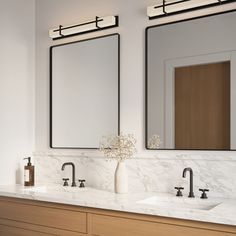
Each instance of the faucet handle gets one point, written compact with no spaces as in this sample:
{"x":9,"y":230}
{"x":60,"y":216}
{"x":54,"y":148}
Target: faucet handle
{"x":204,"y":195}
{"x":179,"y":192}
{"x":65,"y":181}
{"x":81,"y":181}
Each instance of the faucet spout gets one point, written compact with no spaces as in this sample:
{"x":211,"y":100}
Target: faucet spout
{"x":73,"y":171}
{"x":191,"y":193}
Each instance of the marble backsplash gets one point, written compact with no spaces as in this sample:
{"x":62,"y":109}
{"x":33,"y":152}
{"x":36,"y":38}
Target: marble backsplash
{"x":161,"y":173}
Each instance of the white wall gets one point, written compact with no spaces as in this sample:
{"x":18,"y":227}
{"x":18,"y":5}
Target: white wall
{"x":17,"y":60}
{"x":151,"y":170}
{"x":133,"y":21}
{"x":51,"y":13}
{"x":17,"y":75}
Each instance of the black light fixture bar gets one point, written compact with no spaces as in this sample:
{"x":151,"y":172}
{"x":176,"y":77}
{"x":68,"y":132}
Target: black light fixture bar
{"x":99,"y":23}
{"x":165,"y":12}
{"x":78,"y":25}
{"x":171,"y":3}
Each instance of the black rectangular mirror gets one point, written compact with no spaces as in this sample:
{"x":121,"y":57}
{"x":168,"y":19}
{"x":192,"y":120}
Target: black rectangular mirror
{"x":191,"y":84}
{"x":85,"y":84}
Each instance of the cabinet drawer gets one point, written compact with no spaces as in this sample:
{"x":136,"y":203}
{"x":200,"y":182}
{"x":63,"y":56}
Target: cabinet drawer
{"x":115,"y":226}
{"x":45,"y":216}
{"x":14,"y":231}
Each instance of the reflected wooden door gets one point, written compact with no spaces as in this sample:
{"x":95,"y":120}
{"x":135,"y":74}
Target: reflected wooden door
{"x":202,"y":106}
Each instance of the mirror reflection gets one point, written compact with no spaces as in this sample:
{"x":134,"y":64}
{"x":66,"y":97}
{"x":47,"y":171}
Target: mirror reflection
{"x":191,"y":84}
{"x":84,"y":92}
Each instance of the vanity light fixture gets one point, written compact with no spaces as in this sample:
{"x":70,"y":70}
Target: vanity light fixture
{"x":172,"y":7}
{"x":99,"y":23}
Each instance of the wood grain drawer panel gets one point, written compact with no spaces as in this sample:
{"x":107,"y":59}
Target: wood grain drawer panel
{"x":37,"y":228}
{"x":46,"y":216}
{"x":115,"y":226}
{"x":14,"y":231}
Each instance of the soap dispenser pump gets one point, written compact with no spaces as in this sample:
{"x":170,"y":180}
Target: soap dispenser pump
{"x":29,"y":173}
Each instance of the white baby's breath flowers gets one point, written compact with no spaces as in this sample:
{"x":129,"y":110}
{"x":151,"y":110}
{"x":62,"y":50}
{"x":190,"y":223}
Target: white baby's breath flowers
{"x":118,"y":147}
{"x":154,"y":142}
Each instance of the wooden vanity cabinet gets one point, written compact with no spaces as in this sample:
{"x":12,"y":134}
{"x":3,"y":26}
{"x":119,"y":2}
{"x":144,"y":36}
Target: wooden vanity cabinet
{"x":19,"y":217}
{"x":117,"y":226}
{"x":6,"y":230}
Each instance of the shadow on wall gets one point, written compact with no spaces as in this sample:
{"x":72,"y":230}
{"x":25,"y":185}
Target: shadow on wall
{"x":19,"y":174}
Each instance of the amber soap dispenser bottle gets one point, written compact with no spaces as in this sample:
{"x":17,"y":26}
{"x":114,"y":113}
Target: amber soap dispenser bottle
{"x":29,"y":173}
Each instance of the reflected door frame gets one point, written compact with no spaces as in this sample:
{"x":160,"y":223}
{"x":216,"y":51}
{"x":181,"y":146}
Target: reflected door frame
{"x":170,"y":65}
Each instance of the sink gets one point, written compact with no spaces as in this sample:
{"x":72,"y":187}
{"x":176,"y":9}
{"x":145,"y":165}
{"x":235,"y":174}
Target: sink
{"x":46,"y":189}
{"x":180,"y":203}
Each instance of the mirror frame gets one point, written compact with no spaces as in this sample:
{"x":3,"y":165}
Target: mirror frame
{"x":51,"y":89}
{"x":146,"y":81}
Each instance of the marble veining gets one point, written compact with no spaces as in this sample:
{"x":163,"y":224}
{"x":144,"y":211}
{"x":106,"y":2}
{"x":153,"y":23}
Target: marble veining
{"x":160,"y":173}
{"x":223,"y":213}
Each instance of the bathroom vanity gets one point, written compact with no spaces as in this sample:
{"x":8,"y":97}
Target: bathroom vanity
{"x":68,"y":211}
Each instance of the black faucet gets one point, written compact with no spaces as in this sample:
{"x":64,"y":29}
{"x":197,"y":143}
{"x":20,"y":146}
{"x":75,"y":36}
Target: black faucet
{"x":191,"y":194}
{"x":73,"y":172}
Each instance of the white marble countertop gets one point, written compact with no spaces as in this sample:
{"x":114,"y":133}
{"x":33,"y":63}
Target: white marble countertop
{"x":214,"y":210}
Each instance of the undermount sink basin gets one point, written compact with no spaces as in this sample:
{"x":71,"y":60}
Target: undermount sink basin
{"x":180,"y":203}
{"x":45,"y":189}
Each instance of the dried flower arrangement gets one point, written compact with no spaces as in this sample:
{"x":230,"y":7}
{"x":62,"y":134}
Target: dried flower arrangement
{"x":119,"y":147}
{"x":154,"y":142}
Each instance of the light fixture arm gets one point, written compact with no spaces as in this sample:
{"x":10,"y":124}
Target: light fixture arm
{"x":164,"y":7}
{"x":60,"y":29}
{"x":96,"y":22}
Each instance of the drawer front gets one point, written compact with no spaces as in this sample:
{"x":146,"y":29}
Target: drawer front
{"x":12,"y":231}
{"x":115,"y":226}
{"x":45,"y":216}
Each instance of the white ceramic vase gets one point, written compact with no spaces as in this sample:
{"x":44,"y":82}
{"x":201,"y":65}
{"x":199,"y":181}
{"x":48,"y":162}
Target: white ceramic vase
{"x":121,"y":178}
